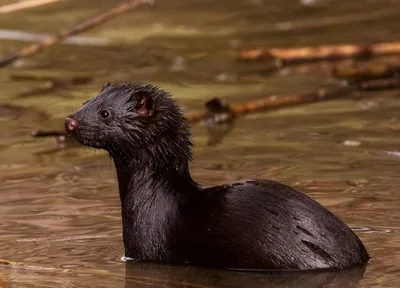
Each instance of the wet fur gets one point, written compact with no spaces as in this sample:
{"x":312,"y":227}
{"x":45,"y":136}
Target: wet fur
{"x":167,"y":217}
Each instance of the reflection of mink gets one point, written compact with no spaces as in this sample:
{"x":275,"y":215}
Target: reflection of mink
{"x":167,"y":217}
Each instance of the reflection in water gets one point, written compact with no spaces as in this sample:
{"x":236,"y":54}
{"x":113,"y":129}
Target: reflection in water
{"x":216,"y":133}
{"x":219,"y":120}
{"x":143,"y":275}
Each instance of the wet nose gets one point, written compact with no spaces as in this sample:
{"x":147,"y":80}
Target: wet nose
{"x":70,"y":125}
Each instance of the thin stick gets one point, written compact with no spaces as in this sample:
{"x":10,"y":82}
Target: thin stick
{"x":24,"y":5}
{"x":79,"y":28}
{"x":276,"y":102}
{"x":319,"y":53}
{"x":272,"y":102}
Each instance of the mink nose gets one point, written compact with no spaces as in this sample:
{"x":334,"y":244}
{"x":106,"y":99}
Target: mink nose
{"x":70,"y":125}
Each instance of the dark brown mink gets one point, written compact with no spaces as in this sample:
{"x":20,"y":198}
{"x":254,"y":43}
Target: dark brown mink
{"x":167,"y":217}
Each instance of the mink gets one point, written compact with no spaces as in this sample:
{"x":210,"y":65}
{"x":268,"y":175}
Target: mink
{"x":167,"y":217}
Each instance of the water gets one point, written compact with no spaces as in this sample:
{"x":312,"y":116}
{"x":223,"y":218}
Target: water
{"x":59,"y":209}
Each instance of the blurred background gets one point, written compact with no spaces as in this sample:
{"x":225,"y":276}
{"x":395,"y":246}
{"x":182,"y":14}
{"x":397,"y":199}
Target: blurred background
{"x":59,"y":206}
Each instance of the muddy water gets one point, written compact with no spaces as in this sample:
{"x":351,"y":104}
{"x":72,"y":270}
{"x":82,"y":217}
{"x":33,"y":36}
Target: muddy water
{"x":59,"y":209}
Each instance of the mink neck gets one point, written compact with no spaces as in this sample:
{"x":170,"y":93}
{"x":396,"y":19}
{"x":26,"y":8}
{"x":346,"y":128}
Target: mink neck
{"x":146,"y":173}
{"x":153,"y":191}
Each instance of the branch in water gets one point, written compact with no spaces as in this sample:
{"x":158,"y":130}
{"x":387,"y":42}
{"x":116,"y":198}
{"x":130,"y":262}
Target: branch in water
{"x":76,"y":29}
{"x":320,"y":53}
{"x":277,"y":102}
{"x":365,"y":72}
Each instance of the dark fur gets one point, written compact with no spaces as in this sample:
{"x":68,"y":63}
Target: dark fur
{"x":167,"y":217}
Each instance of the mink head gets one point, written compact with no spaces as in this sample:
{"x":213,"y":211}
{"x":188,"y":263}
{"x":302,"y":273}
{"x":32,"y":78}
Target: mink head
{"x":133,"y":122}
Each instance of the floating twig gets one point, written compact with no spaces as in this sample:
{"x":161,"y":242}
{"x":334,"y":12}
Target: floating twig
{"x":275,"y":102}
{"x":24,"y":5}
{"x":319,"y":53}
{"x":79,"y":28}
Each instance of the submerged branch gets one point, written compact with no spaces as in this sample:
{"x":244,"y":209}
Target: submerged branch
{"x":277,"y":102}
{"x":79,"y":28}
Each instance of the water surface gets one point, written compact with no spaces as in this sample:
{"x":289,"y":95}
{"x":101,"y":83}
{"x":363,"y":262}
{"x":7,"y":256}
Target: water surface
{"x":59,"y":209}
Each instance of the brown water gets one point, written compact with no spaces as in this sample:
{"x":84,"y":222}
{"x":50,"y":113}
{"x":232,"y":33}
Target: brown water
{"x":59,"y":209}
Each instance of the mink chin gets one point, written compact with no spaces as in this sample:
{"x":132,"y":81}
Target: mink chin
{"x":252,"y":224}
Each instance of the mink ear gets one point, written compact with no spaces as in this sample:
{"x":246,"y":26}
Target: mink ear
{"x":105,"y":86}
{"x":144,"y":103}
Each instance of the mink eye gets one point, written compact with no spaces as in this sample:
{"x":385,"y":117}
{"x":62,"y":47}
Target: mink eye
{"x":104,"y":114}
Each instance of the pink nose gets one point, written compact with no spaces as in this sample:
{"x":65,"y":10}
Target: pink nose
{"x":70,"y":125}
